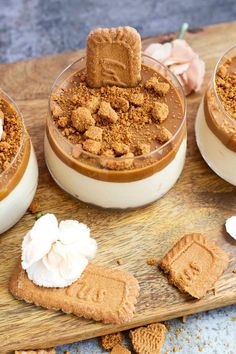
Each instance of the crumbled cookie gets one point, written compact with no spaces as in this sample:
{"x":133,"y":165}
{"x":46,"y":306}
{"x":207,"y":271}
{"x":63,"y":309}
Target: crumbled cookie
{"x":93,"y":104}
{"x":57,"y":111}
{"x":109,"y":341}
{"x":1,"y":115}
{"x":160,"y":112}
{"x":107,"y":113}
{"x":120,"y":163}
{"x":92,"y":146}
{"x":120,"y":149}
{"x":62,"y":122}
{"x":163,"y":135}
{"x":120,"y":103}
{"x":142,"y":148}
{"x":138,"y":115}
{"x":94,"y":133}
{"x":82,"y":119}
{"x":161,"y":88}
{"x":137,"y":99}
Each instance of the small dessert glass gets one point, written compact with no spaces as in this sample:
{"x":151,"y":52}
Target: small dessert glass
{"x":82,"y":174}
{"x":215,"y":129}
{"x":18,"y":182}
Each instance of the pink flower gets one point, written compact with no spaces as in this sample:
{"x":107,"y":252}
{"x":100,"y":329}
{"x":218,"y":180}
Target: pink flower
{"x":182,"y":61}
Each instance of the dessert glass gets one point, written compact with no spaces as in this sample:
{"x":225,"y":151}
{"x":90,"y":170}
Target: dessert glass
{"x":83,"y":176}
{"x":215,"y":129}
{"x":18,"y":182}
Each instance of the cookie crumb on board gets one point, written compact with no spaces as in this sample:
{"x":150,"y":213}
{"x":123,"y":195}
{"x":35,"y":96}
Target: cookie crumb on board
{"x":152,"y":262}
{"x":35,"y":207}
{"x":119,"y":261}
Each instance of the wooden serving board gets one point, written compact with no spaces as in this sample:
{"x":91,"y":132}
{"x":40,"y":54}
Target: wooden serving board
{"x":200,"y":201}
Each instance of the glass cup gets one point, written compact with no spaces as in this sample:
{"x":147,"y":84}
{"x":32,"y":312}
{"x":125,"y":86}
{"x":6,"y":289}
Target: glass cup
{"x":216,"y":128}
{"x":18,"y":182}
{"x":83,"y":174}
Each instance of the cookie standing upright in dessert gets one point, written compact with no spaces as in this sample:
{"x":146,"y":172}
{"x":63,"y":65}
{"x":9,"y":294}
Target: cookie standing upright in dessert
{"x":114,"y":57}
{"x":117,"y":124}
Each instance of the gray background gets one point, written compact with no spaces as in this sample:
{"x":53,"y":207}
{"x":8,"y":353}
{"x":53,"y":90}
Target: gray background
{"x":31,"y":28}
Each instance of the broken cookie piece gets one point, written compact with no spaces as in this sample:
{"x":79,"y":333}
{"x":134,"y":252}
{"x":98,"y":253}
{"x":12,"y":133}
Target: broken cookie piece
{"x":148,"y":340}
{"x":62,"y":122}
{"x":137,"y":99}
{"x":142,"y":149}
{"x":82,"y":119}
{"x":194,"y":264}
{"x":120,"y":103}
{"x":163,"y":135}
{"x":120,"y":349}
{"x":92,"y":146}
{"x":160,"y":112}
{"x":120,"y":148}
{"x":109,"y":341}
{"x":93,"y":104}
{"x":119,"y":163}
{"x":161,"y":88}
{"x":107,"y":113}
{"x":94,"y":133}
{"x":57,"y":111}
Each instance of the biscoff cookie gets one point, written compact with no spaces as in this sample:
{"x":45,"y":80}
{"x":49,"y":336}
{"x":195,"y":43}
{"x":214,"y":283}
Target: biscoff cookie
{"x":109,"y":341}
{"x":148,"y":340}
{"x":119,"y":349}
{"x":40,"y":351}
{"x":101,"y":294}
{"x":194,"y":264}
{"x":114,"y":57}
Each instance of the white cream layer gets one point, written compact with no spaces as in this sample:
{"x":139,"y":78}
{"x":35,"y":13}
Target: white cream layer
{"x":15,"y":204}
{"x":218,"y":157}
{"x":112,"y":194}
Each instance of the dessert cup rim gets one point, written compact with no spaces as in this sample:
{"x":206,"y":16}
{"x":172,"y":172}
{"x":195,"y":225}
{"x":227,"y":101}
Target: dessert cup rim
{"x":112,"y":158}
{"x":13,"y":103}
{"x":224,"y":55}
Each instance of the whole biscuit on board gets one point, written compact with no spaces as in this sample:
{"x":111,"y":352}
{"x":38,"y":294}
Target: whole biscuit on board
{"x":113,"y":57}
{"x":148,"y":340}
{"x":194,"y":264}
{"x":101,"y":294}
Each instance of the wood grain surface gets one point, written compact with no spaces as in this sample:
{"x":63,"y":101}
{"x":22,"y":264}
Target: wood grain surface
{"x":199,"y":202}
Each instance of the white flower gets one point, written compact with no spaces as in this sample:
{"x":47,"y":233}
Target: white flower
{"x":55,"y":256}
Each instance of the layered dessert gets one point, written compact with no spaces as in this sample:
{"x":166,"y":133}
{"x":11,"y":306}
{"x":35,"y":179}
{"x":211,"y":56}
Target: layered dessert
{"x":18,"y":166}
{"x":216,"y":119}
{"x":116,"y":144}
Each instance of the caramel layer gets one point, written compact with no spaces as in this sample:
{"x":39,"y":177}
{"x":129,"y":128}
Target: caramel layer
{"x":12,"y":177}
{"x":226,"y":136}
{"x":117,"y":176}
